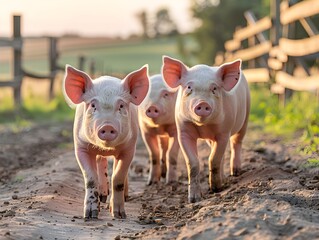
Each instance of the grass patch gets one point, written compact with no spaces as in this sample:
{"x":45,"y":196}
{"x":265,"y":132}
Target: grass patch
{"x":312,"y":163}
{"x":34,"y":110}
{"x":300,"y":115}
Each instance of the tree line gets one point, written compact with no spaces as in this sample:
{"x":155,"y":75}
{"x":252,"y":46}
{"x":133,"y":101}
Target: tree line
{"x":218,"y":20}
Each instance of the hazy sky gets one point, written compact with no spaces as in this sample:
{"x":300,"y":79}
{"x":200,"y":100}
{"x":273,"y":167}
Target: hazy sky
{"x":87,"y":17}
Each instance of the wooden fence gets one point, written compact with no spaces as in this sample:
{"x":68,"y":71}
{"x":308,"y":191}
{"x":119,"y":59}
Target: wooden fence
{"x":16,"y":43}
{"x":271,"y":51}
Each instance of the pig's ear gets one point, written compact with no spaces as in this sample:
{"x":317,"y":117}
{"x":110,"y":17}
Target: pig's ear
{"x":75,"y":84}
{"x":230,"y":73}
{"x":137,"y":84}
{"x":172,"y":71}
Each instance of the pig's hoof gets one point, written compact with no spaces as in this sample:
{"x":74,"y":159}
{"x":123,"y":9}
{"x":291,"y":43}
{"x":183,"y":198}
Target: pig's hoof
{"x":103,"y":198}
{"x":215,"y":189}
{"x":173,"y":183}
{"x":120,"y":214}
{"x":194,"y":198}
{"x":91,"y":214}
{"x":236,"y":172}
{"x":163,"y":171}
{"x":151,"y":182}
{"x":126,"y":198}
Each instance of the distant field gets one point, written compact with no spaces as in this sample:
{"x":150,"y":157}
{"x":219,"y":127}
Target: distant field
{"x":109,"y":55}
{"x":124,"y":57}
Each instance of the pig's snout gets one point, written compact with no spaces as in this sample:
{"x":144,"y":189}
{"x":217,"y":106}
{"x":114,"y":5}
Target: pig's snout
{"x":203,"y":109}
{"x":107,"y":133}
{"x":152,"y":112}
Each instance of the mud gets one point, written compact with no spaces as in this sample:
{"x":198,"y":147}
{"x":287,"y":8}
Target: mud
{"x":42,"y":191}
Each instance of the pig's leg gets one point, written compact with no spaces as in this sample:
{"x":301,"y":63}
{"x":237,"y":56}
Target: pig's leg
{"x":163,"y":155}
{"x":126,"y":189}
{"x":216,"y":171}
{"x":172,"y":160}
{"x":118,"y":181}
{"x":87,"y":163}
{"x":103,"y":177}
{"x":126,"y":181}
{"x":152,"y":145}
{"x":188,"y":144}
{"x":235,"y":148}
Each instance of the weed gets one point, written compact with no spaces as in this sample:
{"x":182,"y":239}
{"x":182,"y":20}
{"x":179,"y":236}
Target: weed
{"x":312,"y":163}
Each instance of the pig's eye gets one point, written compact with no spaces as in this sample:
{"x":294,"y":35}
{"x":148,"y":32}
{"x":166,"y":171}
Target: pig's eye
{"x":188,"y":90}
{"x":214,"y":89}
{"x":121,"y":107}
{"x":93,"y":106}
{"x":165,"y":95}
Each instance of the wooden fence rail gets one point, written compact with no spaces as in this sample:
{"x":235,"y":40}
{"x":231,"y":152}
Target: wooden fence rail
{"x":255,"y":55}
{"x":16,"y":43}
{"x":275,"y":60}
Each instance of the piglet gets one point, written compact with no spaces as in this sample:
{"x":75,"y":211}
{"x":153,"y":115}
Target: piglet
{"x":105,"y":124}
{"x":213,"y":103}
{"x":158,"y":128}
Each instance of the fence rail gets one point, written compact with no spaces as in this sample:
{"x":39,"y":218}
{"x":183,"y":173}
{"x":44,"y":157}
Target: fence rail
{"x":275,"y":60}
{"x":16,"y":43}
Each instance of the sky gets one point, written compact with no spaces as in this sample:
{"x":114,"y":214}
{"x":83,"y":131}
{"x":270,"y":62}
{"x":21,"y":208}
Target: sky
{"x":88,"y":17}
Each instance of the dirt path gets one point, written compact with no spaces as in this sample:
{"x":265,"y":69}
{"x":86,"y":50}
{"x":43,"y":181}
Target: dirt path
{"x":41,"y":194}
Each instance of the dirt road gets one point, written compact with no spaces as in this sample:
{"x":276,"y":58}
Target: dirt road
{"x":41,"y":194}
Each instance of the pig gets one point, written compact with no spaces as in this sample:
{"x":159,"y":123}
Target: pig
{"x":158,"y":130}
{"x":213,"y":103}
{"x":105,"y":124}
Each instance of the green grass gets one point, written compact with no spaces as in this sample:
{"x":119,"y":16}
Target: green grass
{"x":299,"y":118}
{"x":312,"y":163}
{"x":34,"y":110}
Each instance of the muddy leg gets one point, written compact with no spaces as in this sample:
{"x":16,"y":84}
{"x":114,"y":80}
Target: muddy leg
{"x":88,"y":167}
{"x":102,"y":167}
{"x":163,"y":155}
{"x":216,"y":166}
{"x":118,"y":182}
{"x":172,"y":156}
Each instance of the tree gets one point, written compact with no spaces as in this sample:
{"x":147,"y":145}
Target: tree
{"x":218,"y":20}
{"x":163,"y":24}
{"x":142,"y":17}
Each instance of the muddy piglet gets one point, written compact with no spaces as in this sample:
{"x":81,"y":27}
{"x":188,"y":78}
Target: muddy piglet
{"x":213,"y":103}
{"x":158,"y":128}
{"x":105,"y":124}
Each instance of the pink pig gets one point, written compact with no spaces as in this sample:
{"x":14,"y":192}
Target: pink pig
{"x":158,"y":128}
{"x":105,"y":124}
{"x":213,"y":103}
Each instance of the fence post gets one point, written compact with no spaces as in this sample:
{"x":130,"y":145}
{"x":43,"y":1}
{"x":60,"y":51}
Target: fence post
{"x":92,"y":67}
{"x":81,"y":62}
{"x":53,"y":56}
{"x":17,"y":61}
{"x":275,"y":19}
